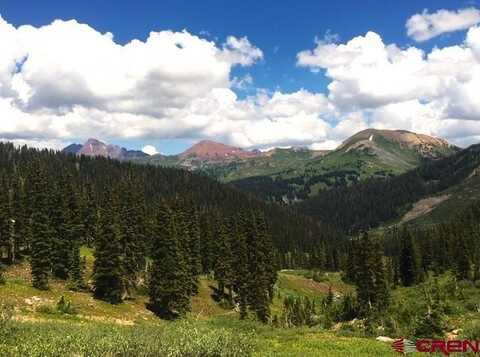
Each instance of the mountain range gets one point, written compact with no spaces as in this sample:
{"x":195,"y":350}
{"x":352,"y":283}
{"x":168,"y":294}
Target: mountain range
{"x":291,"y":174}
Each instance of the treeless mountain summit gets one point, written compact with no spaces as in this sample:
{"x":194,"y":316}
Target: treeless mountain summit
{"x":208,"y":149}
{"x":427,"y":146}
{"x":94,"y":147}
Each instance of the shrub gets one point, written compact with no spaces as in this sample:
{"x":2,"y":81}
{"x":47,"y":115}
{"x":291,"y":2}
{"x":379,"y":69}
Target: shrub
{"x":65,"y":307}
{"x":430,"y":325}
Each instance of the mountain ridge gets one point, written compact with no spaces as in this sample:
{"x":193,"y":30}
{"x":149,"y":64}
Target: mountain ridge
{"x":290,"y":174}
{"x":206,"y":148}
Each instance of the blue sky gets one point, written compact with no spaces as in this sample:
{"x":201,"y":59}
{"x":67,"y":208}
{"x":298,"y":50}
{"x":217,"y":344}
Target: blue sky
{"x":280,"y":29}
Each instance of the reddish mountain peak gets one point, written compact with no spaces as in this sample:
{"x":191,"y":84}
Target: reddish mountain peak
{"x":209,"y":149}
{"x":94,"y":147}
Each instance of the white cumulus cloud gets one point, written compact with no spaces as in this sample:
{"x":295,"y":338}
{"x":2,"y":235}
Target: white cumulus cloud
{"x":425,"y":26}
{"x":66,"y":81}
{"x":150,"y":150}
{"x":399,"y":88}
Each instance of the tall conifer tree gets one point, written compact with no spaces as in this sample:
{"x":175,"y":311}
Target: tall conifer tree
{"x":169,"y":283}
{"x":41,"y":233}
{"x":107,"y":269}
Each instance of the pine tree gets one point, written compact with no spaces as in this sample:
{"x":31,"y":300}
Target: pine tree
{"x":61,"y":245}
{"x":107,"y":269}
{"x":381,"y":292}
{"x":223,"y":262}
{"x":241,"y":274}
{"x":365,"y":277}
{"x":41,"y":233}
{"x":265,"y":273}
{"x":408,"y":259}
{"x":169,"y":281}
{"x":4,"y":231}
{"x":132,"y":237}
{"x":462,"y":259}
{"x":188,"y":235}
{"x":75,"y":233}
{"x":194,"y":248}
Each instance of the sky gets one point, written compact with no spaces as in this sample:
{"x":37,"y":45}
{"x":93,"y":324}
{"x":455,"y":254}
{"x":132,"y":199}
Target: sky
{"x":254,"y":74}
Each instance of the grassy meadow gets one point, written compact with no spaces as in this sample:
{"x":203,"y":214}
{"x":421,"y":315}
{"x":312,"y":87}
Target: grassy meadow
{"x":32,"y":324}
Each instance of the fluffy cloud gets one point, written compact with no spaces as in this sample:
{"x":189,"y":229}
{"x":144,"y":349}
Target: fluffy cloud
{"x":367,"y":73}
{"x":240,"y":51}
{"x":67,"y":81}
{"x":425,"y":26}
{"x":150,"y":150}
{"x":67,"y":64}
{"x":401,"y":88}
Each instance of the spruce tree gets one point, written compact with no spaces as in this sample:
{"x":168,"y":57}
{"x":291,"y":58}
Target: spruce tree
{"x":223,"y":262}
{"x":381,"y":292}
{"x":41,"y":233}
{"x":462,"y":259}
{"x":75,"y":233}
{"x":265,"y":271}
{"x":365,"y":277}
{"x":61,"y":245}
{"x":132,"y":237}
{"x":408,"y":265}
{"x":194,"y":248}
{"x":169,"y":281}
{"x":241,"y":274}
{"x":107,"y":269}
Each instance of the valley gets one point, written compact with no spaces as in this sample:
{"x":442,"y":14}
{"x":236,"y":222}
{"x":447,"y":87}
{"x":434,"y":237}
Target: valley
{"x":293,"y":174}
{"x":239,"y":179}
{"x":325,"y":276}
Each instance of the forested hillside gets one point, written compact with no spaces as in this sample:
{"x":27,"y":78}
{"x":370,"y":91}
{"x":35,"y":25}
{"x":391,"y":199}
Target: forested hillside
{"x":148,"y":225}
{"x":375,"y":201}
{"x":291,"y":174}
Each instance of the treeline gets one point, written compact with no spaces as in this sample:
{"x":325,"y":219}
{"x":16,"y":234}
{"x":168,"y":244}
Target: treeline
{"x":370,"y":203}
{"x":404,"y":256}
{"x":451,"y":246}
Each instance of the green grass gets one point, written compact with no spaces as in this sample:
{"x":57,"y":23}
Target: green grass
{"x":129,"y":329}
{"x":97,"y":328}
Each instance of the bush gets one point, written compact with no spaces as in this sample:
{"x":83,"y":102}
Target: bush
{"x":430,"y":325}
{"x":65,"y":307}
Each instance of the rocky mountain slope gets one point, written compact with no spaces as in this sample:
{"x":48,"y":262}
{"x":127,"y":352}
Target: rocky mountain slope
{"x":94,"y":147}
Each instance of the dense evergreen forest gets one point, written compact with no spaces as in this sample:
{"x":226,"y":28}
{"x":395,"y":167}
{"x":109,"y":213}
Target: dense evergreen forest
{"x":451,"y":246}
{"x":149,"y":225}
{"x":436,"y":264}
{"x":370,"y":203}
